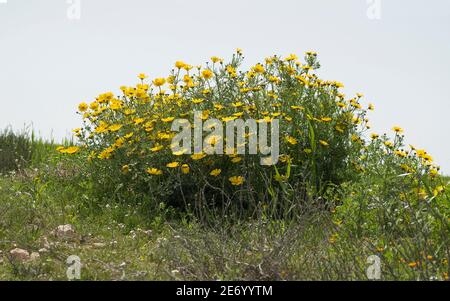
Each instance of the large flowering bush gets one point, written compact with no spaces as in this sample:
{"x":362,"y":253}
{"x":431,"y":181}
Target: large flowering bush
{"x":127,"y":138}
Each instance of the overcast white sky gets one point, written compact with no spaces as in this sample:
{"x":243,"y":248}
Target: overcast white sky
{"x":401,"y":62}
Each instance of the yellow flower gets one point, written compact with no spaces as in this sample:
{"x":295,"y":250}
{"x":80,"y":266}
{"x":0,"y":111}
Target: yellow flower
{"x":374,"y":136}
{"x":198,"y":156}
{"x":215,"y":172}
{"x":227,"y":119}
{"x":400,"y":153}
{"x":116,"y":104}
{"x":291,"y":140}
{"x":187,"y":67}
{"x":355,"y":105}
{"x":170,"y":79}
{"x":297,"y":108}
{"x":125,"y":169}
{"x":258,"y":68}
{"x":231,"y":71}
{"x":339,"y":129}
{"x":422,"y":194}
{"x":291,"y":57}
{"x":406,"y":168}
{"x":218,"y":106}
{"x":119,"y":142}
{"x":157,"y":148}
{"x":207,"y":74}
{"x":164,"y":136}
{"x":168,"y":119}
{"x":412,"y":264}
{"x":142,"y":76}
{"x":236,"y":180}
{"x":274,"y":79}
{"x":129,"y":112}
{"x":173,"y":165}
{"x":323,"y":142}
{"x":389,"y":143}
{"x":303,"y":80}
{"x":93,"y":106}
{"x":115,"y":127}
{"x":197,"y":100}
{"x":103,"y":127}
{"x":185,"y":169}
{"x":159,"y":81}
{"x":105,"y":154}
{"x":371,"y":107}
{"x":180,"y":153}
{"x":213,"y":140}
{"x":325,"y":119}
{"x":397,"y":129}
{"x":154,"y":171}
{"x":333,"y":238}
{"x":427,"y":158}
{"x":236,"y":160}
{"x":138,"y":121}
{"x":216,"y":59}
{"x":338,"y":84}
{"x":72,"y":150}
{"x":341,"y":104}
{"x":180,"y":64}
{"x":82,"y":107}
{"x":205,"y":115}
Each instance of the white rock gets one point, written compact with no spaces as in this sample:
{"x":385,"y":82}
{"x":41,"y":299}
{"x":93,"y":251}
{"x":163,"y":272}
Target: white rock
{"x":45,"y":242}
{"x":65,"y":231}
{"x":34,"y":256}
{"x":98,"y":245}
{"x":20,"y":254}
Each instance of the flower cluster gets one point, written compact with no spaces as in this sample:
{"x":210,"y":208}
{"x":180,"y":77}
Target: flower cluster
{"x":321,"y":130}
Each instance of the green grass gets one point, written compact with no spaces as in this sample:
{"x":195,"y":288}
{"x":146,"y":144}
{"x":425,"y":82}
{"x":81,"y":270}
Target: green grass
{"x":119,"y":239}
{"x":120,"y":242}
{"x":23,"y":149}
{"x":132,"y":247}
{"x":15,"y":150}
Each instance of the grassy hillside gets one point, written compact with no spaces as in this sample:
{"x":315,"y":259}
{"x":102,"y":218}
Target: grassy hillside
{"x":339,"y":200}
